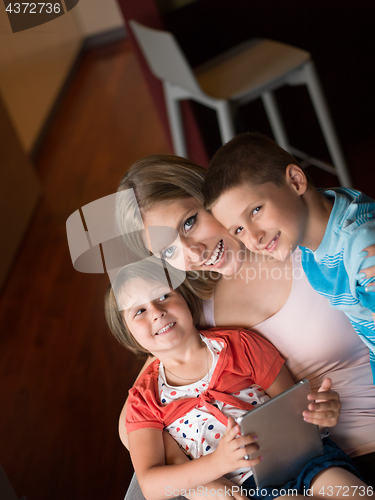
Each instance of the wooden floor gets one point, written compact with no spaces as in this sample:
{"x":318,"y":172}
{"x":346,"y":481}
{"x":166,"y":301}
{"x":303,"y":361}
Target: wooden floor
{"x":63,"y":378}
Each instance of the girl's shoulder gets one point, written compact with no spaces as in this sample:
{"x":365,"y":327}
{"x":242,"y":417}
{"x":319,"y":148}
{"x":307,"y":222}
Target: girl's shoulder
{"x":147,"y":378}
{"x":227,"y":334}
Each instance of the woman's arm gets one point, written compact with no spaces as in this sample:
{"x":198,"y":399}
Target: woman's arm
{"x":158,"y":480}
{"x":121,"y":423}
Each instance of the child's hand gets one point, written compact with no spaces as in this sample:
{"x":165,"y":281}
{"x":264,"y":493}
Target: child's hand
{"x":369,"y":272}
{"x":231,"y":450}
{"x":325,"y":409}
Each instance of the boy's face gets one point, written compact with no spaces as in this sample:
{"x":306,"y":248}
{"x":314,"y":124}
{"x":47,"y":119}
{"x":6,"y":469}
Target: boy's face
{"x":268,"y":219}
{"x":158,"y":318}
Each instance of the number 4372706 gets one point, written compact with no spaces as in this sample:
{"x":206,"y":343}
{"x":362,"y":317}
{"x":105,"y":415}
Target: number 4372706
{"x":33,"y":8}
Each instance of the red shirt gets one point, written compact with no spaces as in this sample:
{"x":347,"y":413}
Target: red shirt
{"x":246,"y":359}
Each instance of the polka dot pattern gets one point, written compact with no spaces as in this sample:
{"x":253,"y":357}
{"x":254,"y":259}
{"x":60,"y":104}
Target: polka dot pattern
{"x":199,"y":431}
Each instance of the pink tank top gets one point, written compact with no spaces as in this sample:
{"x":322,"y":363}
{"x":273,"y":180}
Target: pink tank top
{"x":317,"y":341}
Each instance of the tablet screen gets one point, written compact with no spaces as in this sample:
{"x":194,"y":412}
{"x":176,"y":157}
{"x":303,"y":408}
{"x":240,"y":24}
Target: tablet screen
{"x":287,"y":443}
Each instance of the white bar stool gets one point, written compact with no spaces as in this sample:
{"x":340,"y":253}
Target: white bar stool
{"x":250,"y":70}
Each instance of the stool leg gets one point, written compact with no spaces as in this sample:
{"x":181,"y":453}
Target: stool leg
{"x":225,"y":119}
{"x":274,"y":117}
{"x":326,"y":124}
{"x":175,"y":121}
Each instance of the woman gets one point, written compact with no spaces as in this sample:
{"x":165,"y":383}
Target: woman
{"x":271,"y":298}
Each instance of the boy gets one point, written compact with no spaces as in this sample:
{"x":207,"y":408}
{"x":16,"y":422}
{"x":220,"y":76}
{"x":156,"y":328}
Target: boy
{"x":259,"y":192}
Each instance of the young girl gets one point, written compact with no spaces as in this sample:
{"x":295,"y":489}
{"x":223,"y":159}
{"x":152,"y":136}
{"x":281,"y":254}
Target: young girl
{"x":196,"y":387}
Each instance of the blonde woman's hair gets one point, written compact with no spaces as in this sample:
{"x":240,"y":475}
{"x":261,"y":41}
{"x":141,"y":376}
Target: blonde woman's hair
{"x":155,"y":179}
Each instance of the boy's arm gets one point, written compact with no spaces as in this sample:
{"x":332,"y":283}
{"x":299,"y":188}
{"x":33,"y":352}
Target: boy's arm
{"x":158,"y":480}
{"x":369,"y":272}
{"x":325,"y":406}
{"x":360,"y":264}
{"x":325,"y":409}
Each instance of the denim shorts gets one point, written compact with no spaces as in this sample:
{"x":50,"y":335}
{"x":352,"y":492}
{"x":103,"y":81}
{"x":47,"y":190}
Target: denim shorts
{"x":333,"y":456}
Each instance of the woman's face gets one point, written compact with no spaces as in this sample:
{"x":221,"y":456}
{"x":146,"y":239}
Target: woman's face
{"x":202,"y":244}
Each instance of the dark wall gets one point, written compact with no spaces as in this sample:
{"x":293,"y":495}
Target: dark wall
{"x":338,"y":33}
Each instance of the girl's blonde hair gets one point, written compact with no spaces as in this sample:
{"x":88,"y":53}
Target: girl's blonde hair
{"x":155,"y":179}
{"x":150,"y":270}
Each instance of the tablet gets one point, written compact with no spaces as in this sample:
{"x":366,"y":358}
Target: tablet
{"x":286,"y":441}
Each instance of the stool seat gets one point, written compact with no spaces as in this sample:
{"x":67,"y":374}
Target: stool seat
{"x":249,"y":68}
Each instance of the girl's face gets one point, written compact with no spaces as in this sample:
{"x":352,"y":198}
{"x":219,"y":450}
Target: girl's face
{"x":202,"y":244}
{"x":160,"y":324}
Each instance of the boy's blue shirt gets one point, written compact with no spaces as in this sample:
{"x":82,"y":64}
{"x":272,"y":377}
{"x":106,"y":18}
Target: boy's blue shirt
{"x":332,"y":269}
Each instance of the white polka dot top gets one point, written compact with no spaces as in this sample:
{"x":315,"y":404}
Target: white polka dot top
{"x":198,"y":432}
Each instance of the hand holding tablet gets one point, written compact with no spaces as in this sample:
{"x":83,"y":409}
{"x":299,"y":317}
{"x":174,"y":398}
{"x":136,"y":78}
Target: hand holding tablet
{"x":287,"y":442}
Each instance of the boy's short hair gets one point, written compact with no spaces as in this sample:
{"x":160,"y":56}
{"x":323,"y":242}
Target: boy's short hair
{"x":250,"y":157}
{"x":150,"y":270}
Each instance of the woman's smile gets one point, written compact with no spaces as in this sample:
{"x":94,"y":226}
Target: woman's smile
{"x":216,"y":256}
{"x":202,"y":242}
